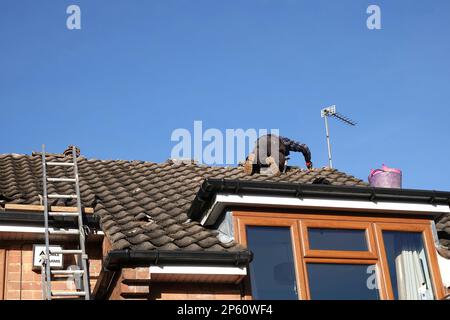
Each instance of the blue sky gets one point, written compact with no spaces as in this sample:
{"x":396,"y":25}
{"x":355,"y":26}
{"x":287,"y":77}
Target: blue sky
{"x":137,"y":70}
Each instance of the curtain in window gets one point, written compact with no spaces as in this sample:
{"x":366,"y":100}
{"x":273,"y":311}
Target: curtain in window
{"x":413,"y":279}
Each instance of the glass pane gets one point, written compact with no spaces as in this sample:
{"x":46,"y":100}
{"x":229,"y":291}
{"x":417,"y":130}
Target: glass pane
{"x":337,"y":239}
{"x":272,"y":271}
{"x":408,"y":267}
{"x":342,"y":281}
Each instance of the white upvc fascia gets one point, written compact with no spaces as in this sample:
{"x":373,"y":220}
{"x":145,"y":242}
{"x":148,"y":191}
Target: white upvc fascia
{"x":211,"y":270}
{"x":223,"y":200}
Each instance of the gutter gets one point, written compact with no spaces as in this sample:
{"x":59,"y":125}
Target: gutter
{"x":210,"y":187}
{"x":118,"y":259}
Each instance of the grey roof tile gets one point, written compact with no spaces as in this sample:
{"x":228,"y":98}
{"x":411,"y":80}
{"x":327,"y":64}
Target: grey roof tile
{"x":143,"y":205}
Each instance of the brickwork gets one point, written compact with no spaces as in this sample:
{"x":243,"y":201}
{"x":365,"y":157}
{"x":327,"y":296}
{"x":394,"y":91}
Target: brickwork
{"x":195,"y":291}
{"x":18,"y":280}
{"x":135,"y":283}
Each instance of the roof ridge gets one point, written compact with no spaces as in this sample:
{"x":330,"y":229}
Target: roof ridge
{"x":81,"y":157}
{"x":196,"y":164}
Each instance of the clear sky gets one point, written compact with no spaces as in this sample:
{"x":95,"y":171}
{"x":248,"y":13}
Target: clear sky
{"x":137,"y":70}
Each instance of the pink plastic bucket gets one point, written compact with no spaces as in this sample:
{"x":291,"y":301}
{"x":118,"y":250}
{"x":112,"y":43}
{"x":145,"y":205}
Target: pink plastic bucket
{"x":385,"y":177}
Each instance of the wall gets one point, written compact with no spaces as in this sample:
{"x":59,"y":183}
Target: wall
{"x":18,"y":281}
{"x":135,"y":283}
{"x":195,"y":291}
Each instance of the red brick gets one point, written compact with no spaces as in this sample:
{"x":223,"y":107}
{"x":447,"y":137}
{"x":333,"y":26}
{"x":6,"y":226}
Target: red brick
{"x":14,"y":276}
{"x":13,"y":295}
{"x":58,"y":285}
{"x":14,"y":259}
{"x":14,"y":253}
{"x":27,"y":295}
{"x":13,"y":285}
{"x":14,"y":267}
{"x":37,"y":295}
{"x":31,"y":285}
{"x":31,"y":276}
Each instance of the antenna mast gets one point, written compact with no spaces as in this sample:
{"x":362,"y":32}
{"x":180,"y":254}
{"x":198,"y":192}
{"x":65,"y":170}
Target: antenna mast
{"x":331,"y":112}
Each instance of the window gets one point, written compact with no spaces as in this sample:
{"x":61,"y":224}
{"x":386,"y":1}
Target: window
{"x":337,"y":239}
{"x":332,"y":281}
{"x":409,"y":261}
{"x":408,"y":266}
{"x":312,"y":256}
{"x":272,"y":271}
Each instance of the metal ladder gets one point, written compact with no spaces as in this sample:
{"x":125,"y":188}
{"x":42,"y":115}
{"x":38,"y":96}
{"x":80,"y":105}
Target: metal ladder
{"x":80,"y":252}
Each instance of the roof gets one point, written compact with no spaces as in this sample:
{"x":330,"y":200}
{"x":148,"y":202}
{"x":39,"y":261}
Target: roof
{"x":144,"y":205}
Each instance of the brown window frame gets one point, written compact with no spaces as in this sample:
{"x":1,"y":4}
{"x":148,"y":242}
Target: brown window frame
{"x":428,"y":242}
{"x":305,"y":224}
{"x":376,"y":255}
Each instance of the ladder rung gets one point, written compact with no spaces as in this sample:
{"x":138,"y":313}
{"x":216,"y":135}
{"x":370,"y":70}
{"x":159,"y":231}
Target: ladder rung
{"x":68,"y":251}
{"x":63,"y":214}
{"x":69,"y":293}
{"x":68,"y":272}
{"x":64,"y":231}
{"x":61,"y":179}
{"x":62,"y":196}
{"x":64,"y":164}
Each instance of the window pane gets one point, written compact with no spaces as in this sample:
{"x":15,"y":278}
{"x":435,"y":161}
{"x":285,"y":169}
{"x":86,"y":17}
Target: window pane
{"x":342,"y":281}
{"x":408,"y":267}
{"x":337,"y":239}
{"x":272,"y":271}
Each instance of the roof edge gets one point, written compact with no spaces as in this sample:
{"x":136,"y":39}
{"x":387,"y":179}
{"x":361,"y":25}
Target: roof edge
{"x":117,"y":259}
{"x":210,"y":187}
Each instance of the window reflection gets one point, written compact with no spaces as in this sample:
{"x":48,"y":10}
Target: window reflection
{"x":337,"y":239}
{"x":408,"y":267}
{"x":342,"y":281}
{"x":272,"y":271}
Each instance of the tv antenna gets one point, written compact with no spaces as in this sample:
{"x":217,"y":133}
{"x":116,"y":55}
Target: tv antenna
{"x":331,"y":112}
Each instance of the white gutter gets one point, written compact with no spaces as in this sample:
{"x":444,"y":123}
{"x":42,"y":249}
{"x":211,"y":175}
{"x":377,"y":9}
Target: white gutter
{"x":221,"y":201}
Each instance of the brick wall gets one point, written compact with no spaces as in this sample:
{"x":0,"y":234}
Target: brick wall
{"x":136,"y":283}
{"x":195,"y":291}
{"x":18,"y":280}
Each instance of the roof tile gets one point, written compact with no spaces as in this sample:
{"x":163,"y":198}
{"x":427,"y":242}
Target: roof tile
{"x":143,"y":205}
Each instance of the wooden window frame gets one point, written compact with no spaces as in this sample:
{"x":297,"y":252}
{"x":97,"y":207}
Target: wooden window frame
{"x":428,"y":243}
{"x":374,"y":225}
{"x":241,"y":236}
{"x":382,"y":290}
{"x":331,"y":224}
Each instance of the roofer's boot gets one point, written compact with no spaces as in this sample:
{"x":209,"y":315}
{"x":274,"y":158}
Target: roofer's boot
{"x":273,"y":166}
{"x":248,"y":165}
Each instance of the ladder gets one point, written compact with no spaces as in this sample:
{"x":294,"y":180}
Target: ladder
{"x":79,"y":253}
